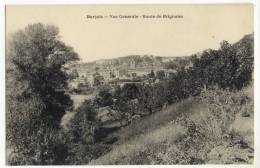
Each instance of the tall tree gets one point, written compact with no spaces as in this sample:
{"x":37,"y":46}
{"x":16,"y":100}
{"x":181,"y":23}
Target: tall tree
{"x":35,"y":94}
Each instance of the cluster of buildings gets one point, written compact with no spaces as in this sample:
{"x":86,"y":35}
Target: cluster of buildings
{"x":106,"y":73}
{"x":107,"y":76}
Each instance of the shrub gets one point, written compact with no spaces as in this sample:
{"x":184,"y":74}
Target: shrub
{"x":80,"y":135}
{"x":210,"y":129}
{"x":51,"y":150}
{"x":104,"y":98}
{"x":82,"y":153}
{"x":82,"y":125}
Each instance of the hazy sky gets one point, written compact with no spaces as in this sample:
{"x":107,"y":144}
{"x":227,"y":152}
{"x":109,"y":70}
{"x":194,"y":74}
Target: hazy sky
{"x":202,"y":27}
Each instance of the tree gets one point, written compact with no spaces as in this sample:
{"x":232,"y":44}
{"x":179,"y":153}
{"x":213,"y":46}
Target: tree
{"x":147,"y":98}
{"x":83,"y":120}
{"x":35,"y":94}
{"x":151,"y":75}
{"x":171,"y":65}
{"x":98,"y":79}
{"x":104,"y":98}
{"x":160,"y":74}
{"x":74,"y":74}
{"x":230,"y":66}
{"x":81,"y":134}
{"x":96,"y":69}
{"x":130,"y":91}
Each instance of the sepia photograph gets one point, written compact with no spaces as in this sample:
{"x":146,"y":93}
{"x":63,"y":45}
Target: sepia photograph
{"x":129,"y":84}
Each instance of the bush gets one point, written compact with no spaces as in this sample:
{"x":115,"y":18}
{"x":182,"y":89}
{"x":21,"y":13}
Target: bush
{"x":51,"y":150}
{"x":82,"y":125}
{"x":210,"y":129}
{"x":83,"y":153}
{"x":104,"y":98}
{"x":80,"y":136}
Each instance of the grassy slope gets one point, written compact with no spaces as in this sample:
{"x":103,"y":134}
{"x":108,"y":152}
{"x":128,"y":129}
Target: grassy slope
{"x":245,"y":125}
{"x":148,"y":141}
{"x":140,"y":135}
{"x":156,"y":121}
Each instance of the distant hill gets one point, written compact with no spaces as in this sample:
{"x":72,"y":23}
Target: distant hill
{"x":149,"y":61}
{"x":246,"y":44}
{"x":246,"y":40}
{"x":127,"y":62}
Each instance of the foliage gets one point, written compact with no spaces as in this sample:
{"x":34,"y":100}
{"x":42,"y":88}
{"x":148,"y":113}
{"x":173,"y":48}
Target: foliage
{"x":210,"y":129}
{"x":82,"y":125}
{"x":178,"y":63}
{"x":35,"y":83}
{"x":36,"y":101}
{"x":52,"y":149}
{"x":196,"y":132}
{"x":229,"y":67}
{"x":104,"y":98}
{"x":205,"y":130}
{"x":223,"y":67}
{"x":141,"y":140}
{"x":80,"y":135}
{"x":151,"y":74}
{"x":98,"y":80}
{"x":83,"y":153}
{"x":73,"y":75}
{"x":160,"y":74}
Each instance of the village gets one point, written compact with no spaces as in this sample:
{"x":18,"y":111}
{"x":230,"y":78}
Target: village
{"x":86,"y":83}
{"x":127,"y":72}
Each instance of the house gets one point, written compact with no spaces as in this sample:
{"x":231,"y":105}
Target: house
{"x":105,"y":114}
{"x":170,"y":72}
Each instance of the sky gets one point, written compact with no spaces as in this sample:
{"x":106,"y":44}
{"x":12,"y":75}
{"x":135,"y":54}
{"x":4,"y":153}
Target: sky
{"x":201,"y":27}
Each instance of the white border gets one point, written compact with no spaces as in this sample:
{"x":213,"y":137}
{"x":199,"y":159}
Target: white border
{"x":2,"y":84}
{"x":125,"y":1}
{"x":24,"y":2}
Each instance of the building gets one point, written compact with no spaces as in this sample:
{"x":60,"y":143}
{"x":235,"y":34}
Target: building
{"x":169,"y":72}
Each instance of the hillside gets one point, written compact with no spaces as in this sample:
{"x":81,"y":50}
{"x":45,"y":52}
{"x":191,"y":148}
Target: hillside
{"x":128,"y":63}
{"x":151,"y":130}
{"x":207,"y":118}
{"x":161,"y":139}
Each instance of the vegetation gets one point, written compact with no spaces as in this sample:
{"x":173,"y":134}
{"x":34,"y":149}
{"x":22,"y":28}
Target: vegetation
{"x":160,"y":74}
{"x":225,"y":67}
{"x":178,"y":63}
{"x":188,"y":117}
{"x":80,"y":135}
{"x":73,"y":74}
{"x":104,"y":98}
{"x":202,"y":133}
{"x":215,"y":80}
{"x":228,"y":67}
{"x":35,"y":95}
